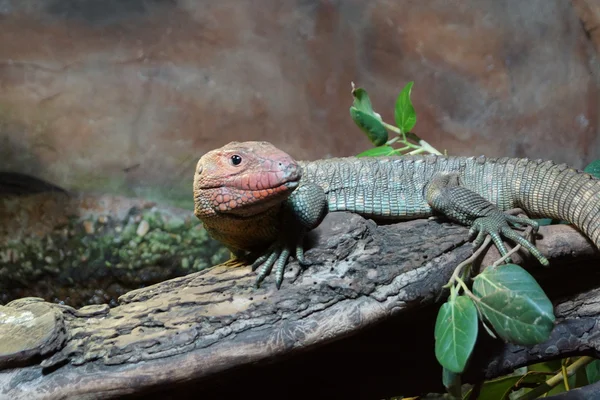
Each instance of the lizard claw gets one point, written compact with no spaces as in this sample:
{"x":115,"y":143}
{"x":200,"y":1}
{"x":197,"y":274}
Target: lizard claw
{"x":265,"y":263}
{"x":497,"y":225}
{"x":300,"y":256}
{"x":277,"y":257}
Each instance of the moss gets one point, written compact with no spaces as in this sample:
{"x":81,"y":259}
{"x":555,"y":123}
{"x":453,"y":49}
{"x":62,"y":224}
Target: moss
{"x":108,"y":252}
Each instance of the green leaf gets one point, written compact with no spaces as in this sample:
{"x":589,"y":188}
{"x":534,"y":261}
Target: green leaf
{"x":553,"y":367}
{"x":593,"y":168}
{"x":500,"y":388}
{"x":549,"y":221}
{"x":592,"y":371}
{"x":455,"y":333}
{"x":377,"y":151}
{"x":513,"y":302}
{"x":451,"y":381}
{"x":370,"y":125}
{"x":362,"y":102}
{"x":404,"y":113}
{"x":579,"y":379}
{"x":544,"y":221}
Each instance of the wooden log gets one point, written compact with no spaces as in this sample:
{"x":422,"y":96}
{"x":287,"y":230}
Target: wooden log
{"x":369,"y":297}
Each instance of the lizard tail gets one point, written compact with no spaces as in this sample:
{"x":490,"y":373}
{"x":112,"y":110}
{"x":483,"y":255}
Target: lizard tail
{"x":556,"y":191}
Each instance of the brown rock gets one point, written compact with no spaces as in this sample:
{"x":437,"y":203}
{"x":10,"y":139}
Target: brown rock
{"x":125,"y":96}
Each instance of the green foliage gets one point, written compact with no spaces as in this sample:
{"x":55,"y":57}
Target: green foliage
{"x":369,"y":124}
{"x":455,"y":332}
{"x":451,"y":381}
{"x":506,"y":297}
{"x":366,"y":119}
{"x":377,"y":151}
{"x":77,"y":256}
{"x":362,"y":101}
{"x":404,"y":112}
{"x":500,"y":388}
{"x":544,"y":221}
{"x":513,"y":302}
{"x":376,"y":129}
{"x":592,"y":371}
{"x":593,"y":168}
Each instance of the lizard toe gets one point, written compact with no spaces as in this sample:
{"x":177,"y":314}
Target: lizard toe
{"x":479,"y":239}
{"x":265,"y":266}
{"x":515,"y":237}
{"x":280,"y":267}
{"x":520,"y":221}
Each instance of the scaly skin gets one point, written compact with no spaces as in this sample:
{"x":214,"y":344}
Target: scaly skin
{"x":268,"y":199}
{"x":240,"y":205}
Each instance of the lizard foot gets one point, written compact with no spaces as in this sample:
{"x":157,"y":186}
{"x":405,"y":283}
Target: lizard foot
{"x":235,"y":262}
{"x":303,"y":210}
{"x":497,"y":225}
{"x":277,"y":256}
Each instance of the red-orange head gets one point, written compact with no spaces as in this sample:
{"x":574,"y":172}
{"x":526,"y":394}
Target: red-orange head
{"x":243,"y":179}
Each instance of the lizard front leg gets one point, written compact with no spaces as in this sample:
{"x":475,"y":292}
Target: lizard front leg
{"x":303,"y":210}
{"x":445,"y":195}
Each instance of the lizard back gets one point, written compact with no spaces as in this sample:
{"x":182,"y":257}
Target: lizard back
{"x":394,"y":187}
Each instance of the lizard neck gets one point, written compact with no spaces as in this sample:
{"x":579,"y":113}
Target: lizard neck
{"x":249,"y":233}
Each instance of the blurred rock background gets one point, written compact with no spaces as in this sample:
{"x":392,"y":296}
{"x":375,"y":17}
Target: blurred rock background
{"x":123,"y":96}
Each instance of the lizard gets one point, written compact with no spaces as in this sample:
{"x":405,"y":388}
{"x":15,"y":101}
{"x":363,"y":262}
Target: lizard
{"x":260,"y":202}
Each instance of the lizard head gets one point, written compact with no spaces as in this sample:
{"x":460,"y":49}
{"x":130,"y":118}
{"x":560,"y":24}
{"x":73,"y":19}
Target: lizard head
{"x":243,"y":179}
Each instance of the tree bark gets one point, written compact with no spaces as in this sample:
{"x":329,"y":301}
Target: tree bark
{"x":368,"y":299}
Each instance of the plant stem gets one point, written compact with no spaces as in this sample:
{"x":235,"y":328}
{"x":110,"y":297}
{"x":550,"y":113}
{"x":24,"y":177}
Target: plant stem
{"x":556,"y":379}
{"x":507,"y":255}
{"x":466,"y":290}
{"x":395,"y":129}
{"x":429,"y":148}
{"x":417,"y":151}
{"x":459,"y":267}
{"x":563,"y":369}
{"x":423,"y":145}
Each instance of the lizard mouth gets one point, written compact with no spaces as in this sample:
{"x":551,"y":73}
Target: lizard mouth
{"x":292,"y":184}
{"x":242,"y":201}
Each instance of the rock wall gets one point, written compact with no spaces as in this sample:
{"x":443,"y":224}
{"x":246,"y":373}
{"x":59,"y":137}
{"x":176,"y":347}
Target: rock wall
{"x":124,"y":96}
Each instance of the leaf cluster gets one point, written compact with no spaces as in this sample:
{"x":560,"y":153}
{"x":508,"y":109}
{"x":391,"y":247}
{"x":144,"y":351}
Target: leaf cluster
{"x":376,"y":129}
{"x":505,"y":299}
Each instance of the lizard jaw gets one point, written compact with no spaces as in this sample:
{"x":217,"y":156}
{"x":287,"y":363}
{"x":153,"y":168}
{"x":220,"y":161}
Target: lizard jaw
{"x":232,"y":200}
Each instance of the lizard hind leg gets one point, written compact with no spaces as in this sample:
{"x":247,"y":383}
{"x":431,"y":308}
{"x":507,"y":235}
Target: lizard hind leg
{"x":445,"y":195}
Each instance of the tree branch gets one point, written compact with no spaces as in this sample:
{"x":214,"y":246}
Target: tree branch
{"x":369,"y":297}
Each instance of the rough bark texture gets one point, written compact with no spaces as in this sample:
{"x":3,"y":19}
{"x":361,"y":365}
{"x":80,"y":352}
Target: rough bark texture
{"x":368,"y":299}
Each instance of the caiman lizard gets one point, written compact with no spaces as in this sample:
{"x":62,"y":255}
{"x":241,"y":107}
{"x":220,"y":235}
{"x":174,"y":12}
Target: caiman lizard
{"x":259,"y":202}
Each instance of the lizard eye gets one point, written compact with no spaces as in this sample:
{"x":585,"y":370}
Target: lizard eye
{"x":236,"y":160}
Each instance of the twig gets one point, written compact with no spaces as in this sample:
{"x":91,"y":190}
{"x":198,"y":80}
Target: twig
{"x":556,"y":379}
{"x":468,"y":261}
